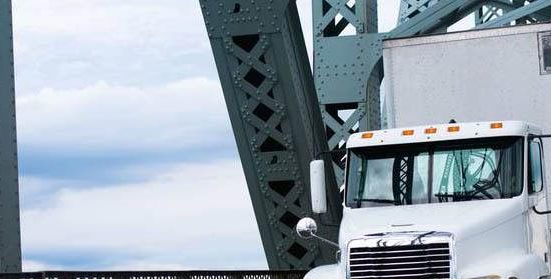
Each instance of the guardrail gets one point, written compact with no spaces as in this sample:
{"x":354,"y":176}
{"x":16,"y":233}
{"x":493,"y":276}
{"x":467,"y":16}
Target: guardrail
{"x":157,"y":275}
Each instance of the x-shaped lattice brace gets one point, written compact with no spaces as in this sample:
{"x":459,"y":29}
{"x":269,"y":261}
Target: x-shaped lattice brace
{"x":264,"y":93}
{"x":411,"y":8}
{"x":339,"y":132}
{"x":487,"y":13}
{"x":347,"y":84}
{"x":493,"y":9}
{"x":343,"y":71}
{"x":278,"y":161}
{"x":329,"y":25}
{"x":402,"y":180}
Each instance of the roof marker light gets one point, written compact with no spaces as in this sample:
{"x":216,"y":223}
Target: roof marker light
{"x":453,"y":129}
{"x":496,"y":125}
{"x":408,"y":132}
{"x":430,"y":130}
{"x":367,"y":135}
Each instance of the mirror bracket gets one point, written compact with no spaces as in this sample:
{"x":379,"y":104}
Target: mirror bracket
{"x":326,"y":241}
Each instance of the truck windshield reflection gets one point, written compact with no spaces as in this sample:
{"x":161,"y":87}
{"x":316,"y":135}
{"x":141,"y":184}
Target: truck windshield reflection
{"x":436,"y":172}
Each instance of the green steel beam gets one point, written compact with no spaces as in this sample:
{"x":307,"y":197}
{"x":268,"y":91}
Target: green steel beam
{"x":10,"y":238}
{"x":409,"y":9}
{"x":278,"y":122}
{"x":347,"y":48}
{"x":442,"y":14}
{"x":269,"y":91}
{"x":517,"y":14}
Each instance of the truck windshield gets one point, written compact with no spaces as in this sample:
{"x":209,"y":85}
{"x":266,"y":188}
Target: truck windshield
{"x":435,"y":172}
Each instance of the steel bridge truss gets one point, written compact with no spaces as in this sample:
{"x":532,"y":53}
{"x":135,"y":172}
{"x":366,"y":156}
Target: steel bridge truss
{"x":282,"y":117}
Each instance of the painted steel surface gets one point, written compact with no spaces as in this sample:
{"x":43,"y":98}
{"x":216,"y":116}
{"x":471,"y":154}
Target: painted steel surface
{"x":10,"y":238}
{"x":347,"y":71}
{"x":269,"y":92}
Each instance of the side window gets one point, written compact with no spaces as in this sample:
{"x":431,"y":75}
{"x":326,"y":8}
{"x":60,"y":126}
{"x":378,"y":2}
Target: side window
{"x":535,"y":178}
{"x":545,"y":52}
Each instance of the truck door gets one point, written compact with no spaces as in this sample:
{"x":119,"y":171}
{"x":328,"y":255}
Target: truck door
{"x":538,"y":196}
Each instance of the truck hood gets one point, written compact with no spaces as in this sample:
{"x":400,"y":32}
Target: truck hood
{"x":462,"y":219}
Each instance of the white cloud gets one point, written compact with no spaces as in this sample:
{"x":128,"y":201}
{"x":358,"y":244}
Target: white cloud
{"x":75,"y":43}
{"x":194,"y":215}
{"x":35,"y":266}
{"x":111,"y":22}
{"x":184,"y":114}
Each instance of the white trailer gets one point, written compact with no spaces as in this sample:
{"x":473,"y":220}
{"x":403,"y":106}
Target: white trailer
{"x":465,"y":200}
{"x":482,"y":75}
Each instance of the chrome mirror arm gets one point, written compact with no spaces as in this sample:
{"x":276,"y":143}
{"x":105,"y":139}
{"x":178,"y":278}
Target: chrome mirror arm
{"x":326,"y":241}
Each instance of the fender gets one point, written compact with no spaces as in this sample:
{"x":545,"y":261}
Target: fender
{"x":325,"y":272}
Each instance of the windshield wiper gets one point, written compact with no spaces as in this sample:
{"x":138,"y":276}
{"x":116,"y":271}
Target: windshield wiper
{"x":376,"y":201}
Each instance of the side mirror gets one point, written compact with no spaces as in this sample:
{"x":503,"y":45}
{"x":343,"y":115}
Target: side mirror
{"x":307,"y":228}
{"x":317,"y":186}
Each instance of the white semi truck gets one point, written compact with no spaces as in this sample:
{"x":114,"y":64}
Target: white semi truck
{"x":465,"y":200}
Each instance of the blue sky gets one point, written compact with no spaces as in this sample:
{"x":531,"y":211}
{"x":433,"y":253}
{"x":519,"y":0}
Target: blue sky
{"x":127,"y":158}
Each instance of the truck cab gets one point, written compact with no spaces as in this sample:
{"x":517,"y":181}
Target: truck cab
{"x":459,"y":200}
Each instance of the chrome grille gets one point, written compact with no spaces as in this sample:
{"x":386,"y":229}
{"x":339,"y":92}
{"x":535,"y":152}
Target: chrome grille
{"x":402,"y":256}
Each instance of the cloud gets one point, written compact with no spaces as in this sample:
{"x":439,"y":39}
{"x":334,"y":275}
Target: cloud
{"x":71,"y":44}
{"x":185,"y":114}
{"x":110,"y":22}
{"x":36,"y":266}
{"x":195,"y":215}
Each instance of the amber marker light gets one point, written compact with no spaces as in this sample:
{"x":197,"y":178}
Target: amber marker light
{"x":367,"y":135}
{"x":496,"y":125}
{"x":408,"y":132}
{"x":453,"y":129}
{"x":430,"y":130}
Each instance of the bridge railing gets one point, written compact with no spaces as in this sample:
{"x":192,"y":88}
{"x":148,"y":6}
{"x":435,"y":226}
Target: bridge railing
{"x":157,"y":275}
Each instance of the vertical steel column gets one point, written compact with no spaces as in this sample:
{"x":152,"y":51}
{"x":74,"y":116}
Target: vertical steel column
{"x":263,"y":67}
{"x":10,"y":239}
{"x":347,"y":70}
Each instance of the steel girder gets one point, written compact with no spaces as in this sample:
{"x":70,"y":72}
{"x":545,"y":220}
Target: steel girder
{"x":347,"y":49}
{"x":269,"y":91}
{"x":517,"y":11}
{"x":523,"y":13}
{"x":409,"y":9}
{"x":10,"y":237}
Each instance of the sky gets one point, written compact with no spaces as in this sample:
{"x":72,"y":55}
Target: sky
{"x":127,"y":157}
